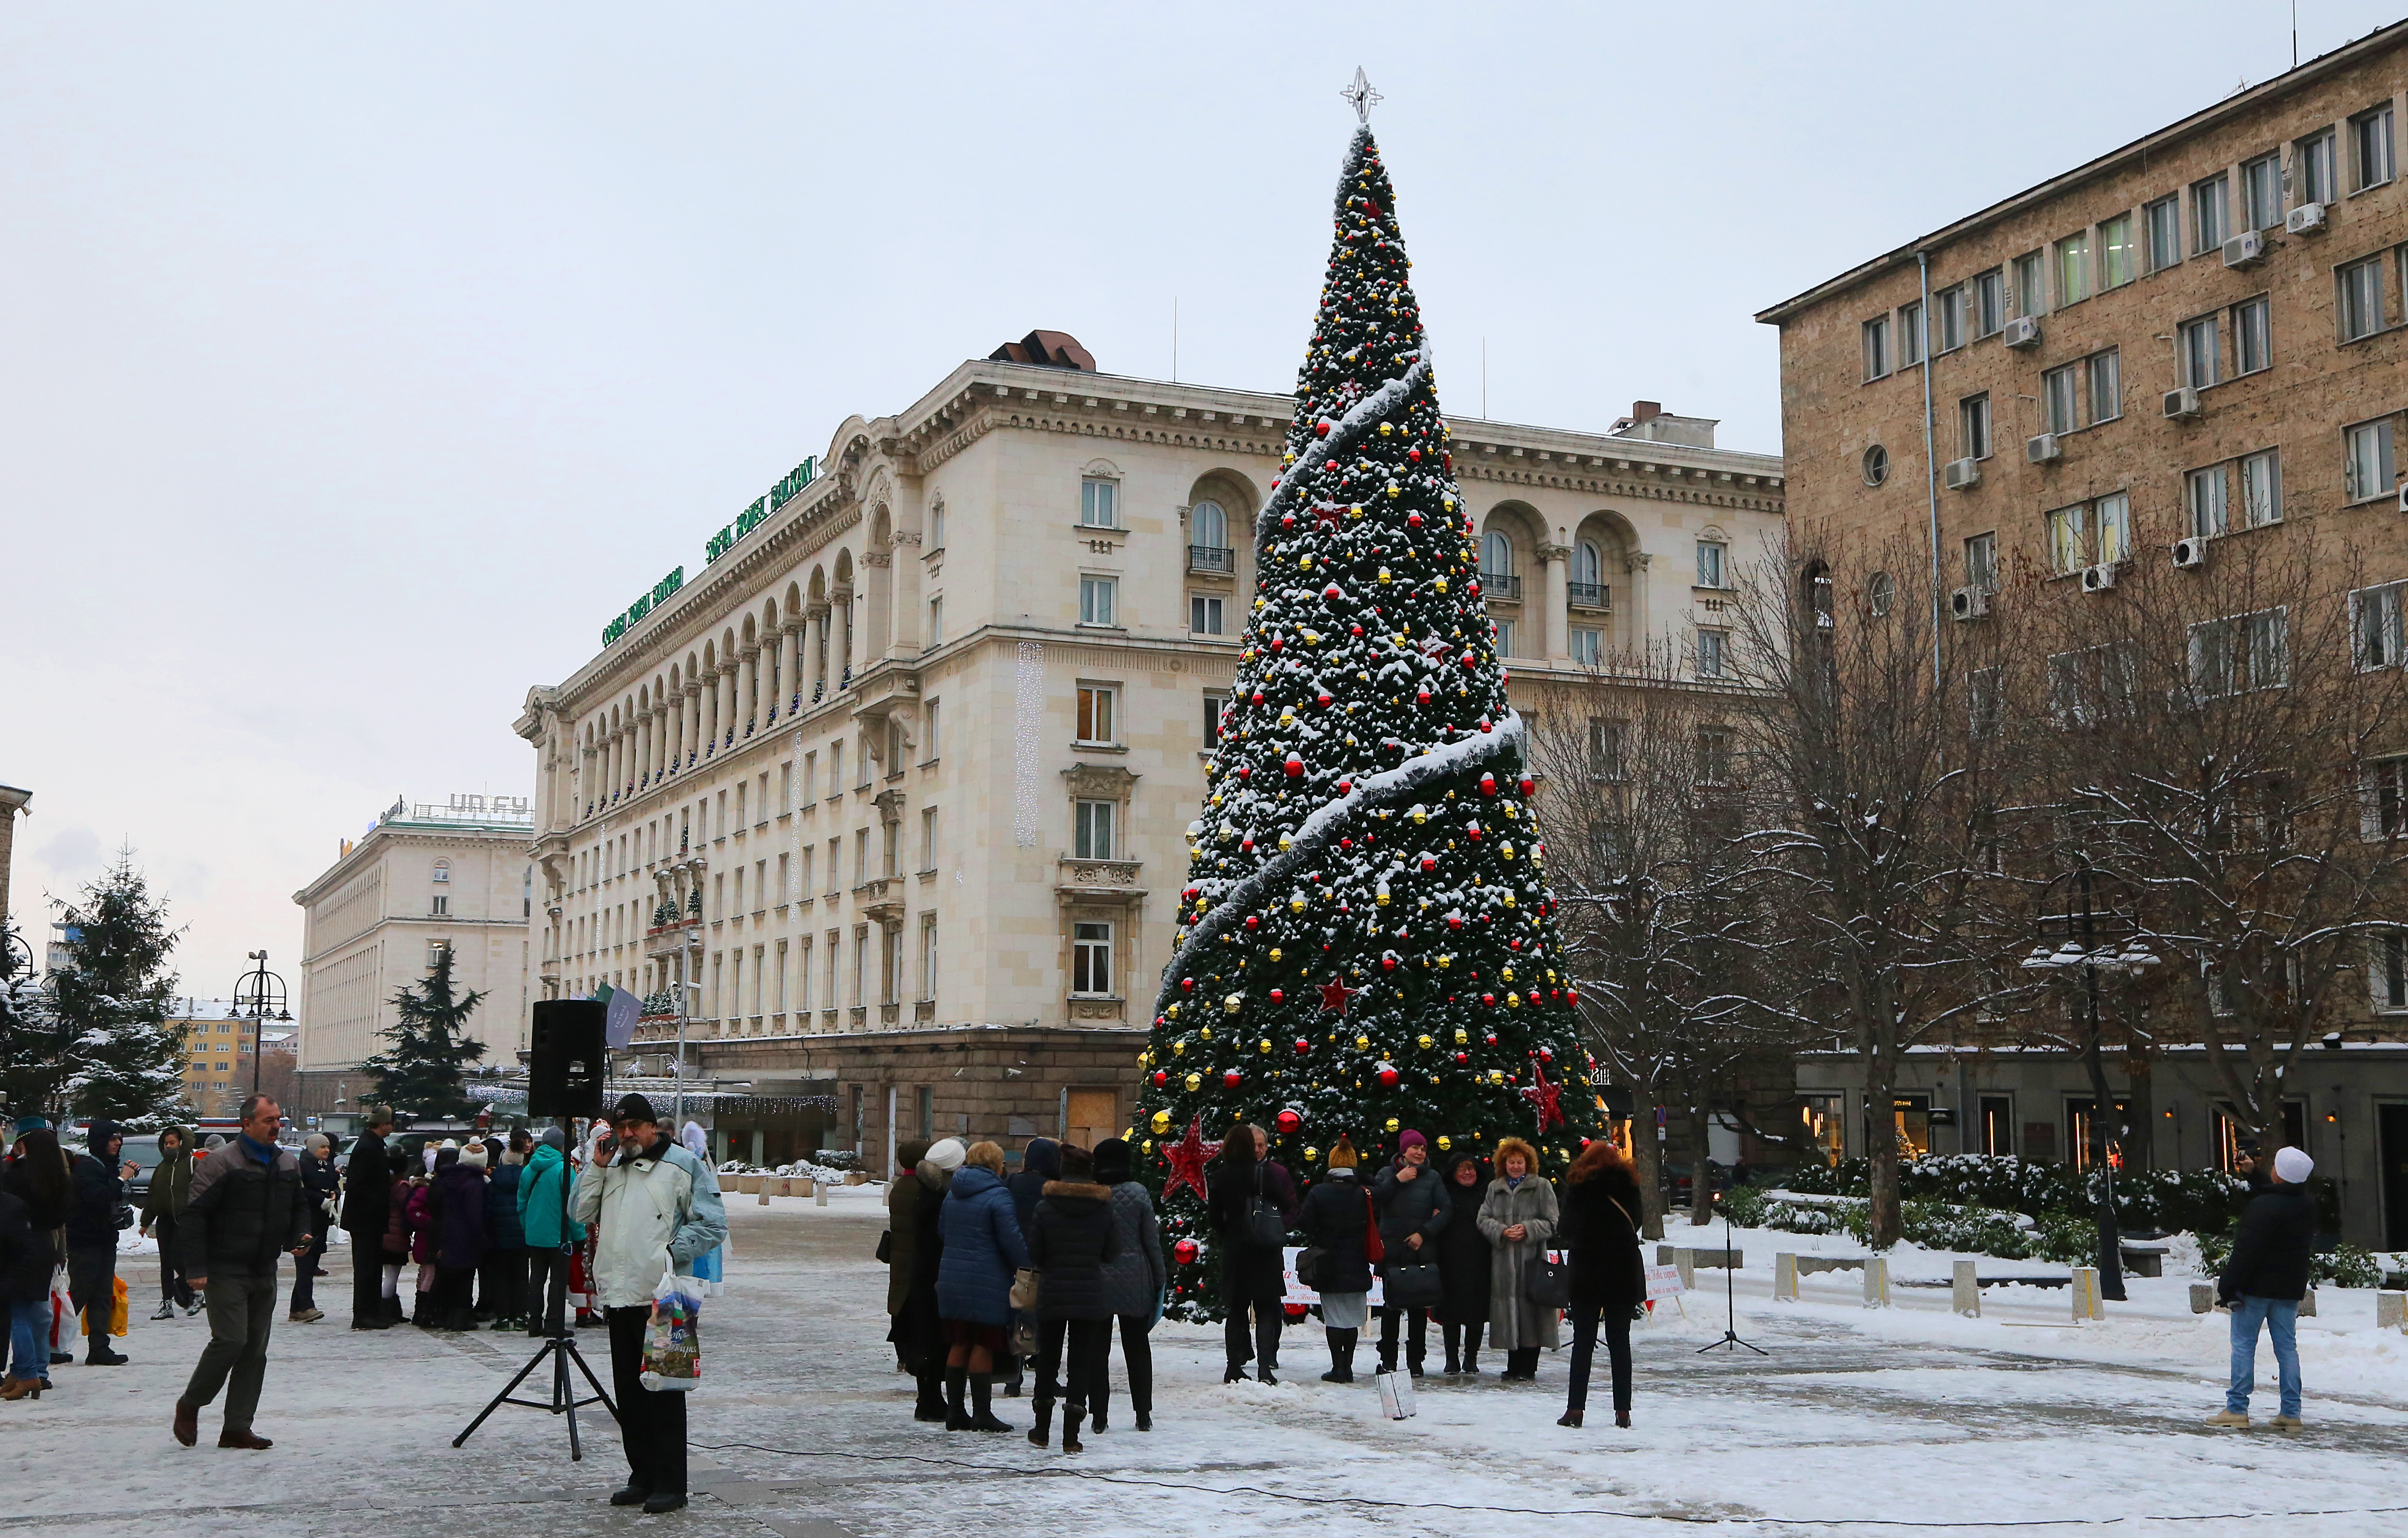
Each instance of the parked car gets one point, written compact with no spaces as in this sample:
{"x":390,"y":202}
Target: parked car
{"x":141,"y":1150}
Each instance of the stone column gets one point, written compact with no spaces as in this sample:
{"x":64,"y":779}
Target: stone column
{"x":691,"y":743}
{"x":12,"y":800}
{"x":730,"y":723}
{"x":790,"y":681}
{"x":1555,"y":606}
{"x":644,"y":750}
{"x":708,"y":703}
{"x":747,"y":714}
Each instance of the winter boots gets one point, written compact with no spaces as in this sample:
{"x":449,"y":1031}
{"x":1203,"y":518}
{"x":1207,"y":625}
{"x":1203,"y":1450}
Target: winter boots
{"x":1041,"y":1434}
{"x":982,"y":1417}
{"x":2238,"y":1419}
{"x":956,"y":1383}
{"x":1341,"y":1357}
{"x":1072,"y":1413}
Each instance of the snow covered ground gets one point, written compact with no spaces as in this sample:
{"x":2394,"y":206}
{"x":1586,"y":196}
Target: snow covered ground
{"x":1903,"y":1419}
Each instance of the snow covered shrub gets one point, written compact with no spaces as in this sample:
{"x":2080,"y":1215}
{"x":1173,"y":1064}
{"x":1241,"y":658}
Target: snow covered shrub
{"x":2214,"y":1253}
{"x":1969,"y":1230}
{"x":1745,"y":1206}
{"x":2174,"y":1201}
{"x":836,"y":1159}
{"x":2347,"y":1265}
{"x":2063,"y":1237}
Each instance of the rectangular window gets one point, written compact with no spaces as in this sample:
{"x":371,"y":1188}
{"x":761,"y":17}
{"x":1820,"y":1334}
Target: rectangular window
{"x":2106,"y":381}
{"x":936,"y":528}
{"x":1712,"y":653}
{"x":1710,"y":562}
{"x":2252,"y":339}
{"x":2262,"y":488}
{"x":2361,"y":298}
{"x":2211,"y":214}
{"x":2374,"y":623}
{"x":811,"y":868}
{"x":929,"y":731}
{"x":2113,"y":520}
{"x":2370,"y":138}
{"x":2311,"y":170}
{"x":1714,"y":755}
{"x":835,"y":772}
{"x":928,"y":991}
{"x":1876,"y":336}
{"x":860,"y":965}
{"x":2390,"y":971}
{"x":1982,"y":562}
{"x":2069,"y":539}
{"x":1951,"y":318}
{"x":835,"y":954}
{"x":1099,"y":503}
{"x":1609,"y":744}
{"x":1989,"y":303}
{"x":2116,"y":267}
{"x":1093,"y":835}
{"x":836,"y":866}
{"x":2056,"y":400}
{"x":2032,"y":281}
{"x":1910,"y":335}
{"x":1098,"y":597}
{"x":927,"y":838}
{"x":1213,"y":706}
{"x":2261,"y":192}
{"x":2384,"y":801}
{"x":2203,"y":352}
{"x":860,"y":859}
{"x":1504,"y":637}
{"x":2163,"y":222}
{"x":1985,"y":700}
{"x":1091,"y":960}
{"x":2074,"y":268}
{"x":2204,"y":495}
{"x":1973,"y":427}
{"x":441,"y":905}
{"x":936,"y":620}
{"x":2242,"y":653}
{"x":2366,"y":462}
{"x":1095,"y":702}
{"x":1588,"y":646}
{"x":810,"y":777}
{"x":1204,"y":613}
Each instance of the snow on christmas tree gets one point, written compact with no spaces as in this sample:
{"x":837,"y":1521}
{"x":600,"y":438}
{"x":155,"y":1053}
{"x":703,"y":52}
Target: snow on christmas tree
{"x":419,"y":1074}
{"x":1365,"y":941}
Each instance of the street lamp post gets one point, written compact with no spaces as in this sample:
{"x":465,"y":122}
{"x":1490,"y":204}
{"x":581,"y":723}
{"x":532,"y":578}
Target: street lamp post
{"x":260,"y":994}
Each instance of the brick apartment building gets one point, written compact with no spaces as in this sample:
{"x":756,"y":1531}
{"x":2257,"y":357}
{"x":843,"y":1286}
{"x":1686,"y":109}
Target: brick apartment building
{"x":2197,"y":337}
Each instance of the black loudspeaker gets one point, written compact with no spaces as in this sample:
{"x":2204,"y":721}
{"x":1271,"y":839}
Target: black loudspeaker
{"x":566,"y":1058}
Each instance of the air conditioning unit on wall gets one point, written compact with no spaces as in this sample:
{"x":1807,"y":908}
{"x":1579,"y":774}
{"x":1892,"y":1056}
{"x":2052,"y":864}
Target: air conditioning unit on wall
{"x":2190,"y":552}
{"x":2245,"y":250}
{"x":2043,"y":449}
{"x":1968,"y":603}
{"x":2023,"y":331}
{"x":2307,"y":219}
{"x":2180,"y":405}
{"x":1961,"y":475}
{"x":2099,"y":578}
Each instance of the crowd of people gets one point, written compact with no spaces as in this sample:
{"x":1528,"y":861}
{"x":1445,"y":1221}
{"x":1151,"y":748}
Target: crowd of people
{"x":993,"y":1275}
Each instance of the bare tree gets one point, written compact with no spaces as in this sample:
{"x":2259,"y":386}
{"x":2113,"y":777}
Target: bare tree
{"x":2217,"y":739}
{"x":1645,"y":799}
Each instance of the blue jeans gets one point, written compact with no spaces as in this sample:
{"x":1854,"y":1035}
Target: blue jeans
{"x":29,"y":1334}
{"x":2281,"y":1318}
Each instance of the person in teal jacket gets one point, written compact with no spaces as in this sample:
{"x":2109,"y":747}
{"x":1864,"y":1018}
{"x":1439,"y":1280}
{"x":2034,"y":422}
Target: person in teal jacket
{"x":543,"y":1217}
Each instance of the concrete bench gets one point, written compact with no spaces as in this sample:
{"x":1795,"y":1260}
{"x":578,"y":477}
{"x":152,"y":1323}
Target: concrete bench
{"x":2144,"y":1260}
{"x":1713,"y":1259}
{"x":1809,"y":1265}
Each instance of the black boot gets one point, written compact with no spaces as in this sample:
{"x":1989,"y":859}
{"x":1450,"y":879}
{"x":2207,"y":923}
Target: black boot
{"x":1072,"y":1413}
{"x":982,"y":1417}
{"x":1038,"y":1433}
{"x":1341,"y":1357}
{"x":956,"y":1381}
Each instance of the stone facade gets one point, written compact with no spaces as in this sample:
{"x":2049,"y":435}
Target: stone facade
{"x":455,"y":875}
{"x":907,"y":766}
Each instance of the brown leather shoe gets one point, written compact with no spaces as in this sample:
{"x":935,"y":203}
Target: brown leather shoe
{"x":188,"y":1423}
{"x":232,"y":1438}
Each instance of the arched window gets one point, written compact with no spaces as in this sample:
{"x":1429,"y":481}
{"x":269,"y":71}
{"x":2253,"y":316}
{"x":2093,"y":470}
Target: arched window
{"x":1212,"y":525}
{"x":1496,"y":554}
{"x":443,"y":870}
{"x":1588,"y":566}
{"x":1879,"y":593}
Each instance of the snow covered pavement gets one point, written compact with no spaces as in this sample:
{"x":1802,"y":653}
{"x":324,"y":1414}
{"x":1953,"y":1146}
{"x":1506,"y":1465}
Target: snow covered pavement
{"x":1906,"y":1420}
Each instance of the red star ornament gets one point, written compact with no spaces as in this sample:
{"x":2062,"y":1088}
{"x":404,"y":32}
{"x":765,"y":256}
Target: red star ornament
{"x":1334,"y":995}
{"x":1187,"y":1156}
{"x":1545,"y":1099}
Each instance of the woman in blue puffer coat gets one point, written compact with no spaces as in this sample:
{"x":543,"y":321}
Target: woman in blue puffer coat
{"x":983,"y":1248}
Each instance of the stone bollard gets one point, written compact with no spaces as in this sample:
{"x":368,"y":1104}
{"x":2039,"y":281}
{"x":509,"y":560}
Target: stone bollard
{"x":1686,"y":1258}
{"x":1965,"y":1293}
{"x":2202,"y":1297}
{"x":818,"y":1193}
{"x":1784,"y":1277}
{"x":2307,"y":1305}
{"x":765,"y":1195}
{"x":2391,"y":1311}
{"x":1876,"y":1281}
{"x":2084,"y":1290}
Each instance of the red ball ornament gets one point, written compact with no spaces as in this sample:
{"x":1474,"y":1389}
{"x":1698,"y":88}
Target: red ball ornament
{"x":1245,"y":771}
{"x":1187,"y":985}
{"x":1358,"y":632}
{"x":1258,"y":696}
{"x":1320,"y":429}
{"x":1474,"y":588}
{"x":1490,"y":1038}
{"x":1232,"y":1078}
{"x":1254,"y":922}
{"x":1184,"y":1252}
{"x":1295,"y":766}
{"x":1414,"y":456}
{"x":1346,"y":785}
{"x":1287,"y":1122}
{"x":1388,"y":1077}
{"x":1463,"y":1057}
{"x":1323,"y":700}
{"x":1488,"y":785}
{"x":1333,"y":592}
{"x":1302,"y":1046}
{"x":1572,"y":995}
{"x":1429,"y":862}
{"x":1160,"y":1078}
{"x":1412,"y":521}
{"x":1278,"y":995}
{"x":1423,"y":698}
{"x":1454,"y":921}
{"x":1287,"y":520}
{"x":1528,"y":784}
{"x":1387,"y":963}
{"x":1475,"y":831}
{"x":1546,"y":1055}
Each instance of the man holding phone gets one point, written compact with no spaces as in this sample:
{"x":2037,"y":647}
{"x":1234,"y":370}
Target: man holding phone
{"x":247,"y":1210}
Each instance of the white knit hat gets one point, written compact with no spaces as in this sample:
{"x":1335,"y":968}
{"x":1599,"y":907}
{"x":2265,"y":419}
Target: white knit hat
{"x":947,"y":1155}
{"x":2292,"y":1166}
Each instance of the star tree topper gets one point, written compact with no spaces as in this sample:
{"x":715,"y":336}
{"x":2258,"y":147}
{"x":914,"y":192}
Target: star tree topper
{"x":1187,"y":1156}
{"x":1361,"y":96}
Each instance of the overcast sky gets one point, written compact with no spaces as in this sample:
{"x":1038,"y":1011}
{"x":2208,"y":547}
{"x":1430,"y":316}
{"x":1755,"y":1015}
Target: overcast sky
{"x":358,"y":363}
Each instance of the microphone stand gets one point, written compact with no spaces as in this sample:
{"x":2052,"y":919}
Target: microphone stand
{"x":1730,"y":1308}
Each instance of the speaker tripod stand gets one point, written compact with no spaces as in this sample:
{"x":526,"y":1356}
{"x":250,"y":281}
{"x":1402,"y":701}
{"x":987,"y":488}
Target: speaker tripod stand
{"x":1731,"y":1306}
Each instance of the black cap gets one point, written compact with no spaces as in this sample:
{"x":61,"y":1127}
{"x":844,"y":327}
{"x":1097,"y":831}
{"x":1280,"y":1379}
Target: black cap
{"x":633,"y":1108}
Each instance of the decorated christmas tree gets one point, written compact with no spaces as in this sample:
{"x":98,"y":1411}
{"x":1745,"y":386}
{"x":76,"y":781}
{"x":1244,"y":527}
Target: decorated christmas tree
{"x":1365,"y":943}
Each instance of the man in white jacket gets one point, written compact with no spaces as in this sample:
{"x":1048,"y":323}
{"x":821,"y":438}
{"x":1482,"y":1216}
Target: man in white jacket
{"x":654,"y":1206}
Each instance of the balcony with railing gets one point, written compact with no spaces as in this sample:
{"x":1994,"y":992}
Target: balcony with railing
{"x":1504,"y":586}
{"x":1212,"y":559}
{"x":1592,"y":595}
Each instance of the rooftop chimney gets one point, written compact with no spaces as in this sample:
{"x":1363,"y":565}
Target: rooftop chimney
{"x":1646,"y":411}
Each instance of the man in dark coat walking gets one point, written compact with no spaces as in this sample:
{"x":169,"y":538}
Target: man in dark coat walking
{"x":99,"y":1178}
{"x":367,"y":1206}
{"x":2262,"y":1285}
{"x":247,"y":1209}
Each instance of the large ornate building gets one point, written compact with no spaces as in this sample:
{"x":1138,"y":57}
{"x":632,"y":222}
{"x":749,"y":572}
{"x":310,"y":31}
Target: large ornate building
{"x":896,"y":785}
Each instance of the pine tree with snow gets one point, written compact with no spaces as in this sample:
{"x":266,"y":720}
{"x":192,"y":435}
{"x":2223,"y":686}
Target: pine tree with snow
{"x":419,"y":1074}
{"x":124,"y":1060}
{"x":33,"y":1044}
{"x":1365,"y":943}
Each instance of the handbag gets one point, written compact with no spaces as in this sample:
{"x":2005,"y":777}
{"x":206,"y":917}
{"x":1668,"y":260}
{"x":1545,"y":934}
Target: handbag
{"x":1309,"y":1261}
{"x":1548,"y":1284}
{"x":886,"y":1247}
{"x":1414,"y":1284}
{"x":1025,"y":1284}
{"x":1264,"y":1224}
{"x":1375,"y":1249}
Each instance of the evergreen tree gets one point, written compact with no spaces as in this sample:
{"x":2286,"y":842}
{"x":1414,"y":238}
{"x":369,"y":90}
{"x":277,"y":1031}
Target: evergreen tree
{"x":419,"y":1073}
{"x":1365,"y":940}
{"x":32,"y":1046}
{"x":122,"y":1060}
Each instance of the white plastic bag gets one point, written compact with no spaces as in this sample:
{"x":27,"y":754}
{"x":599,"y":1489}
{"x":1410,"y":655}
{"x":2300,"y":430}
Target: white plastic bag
{"x":673,"y":1338}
